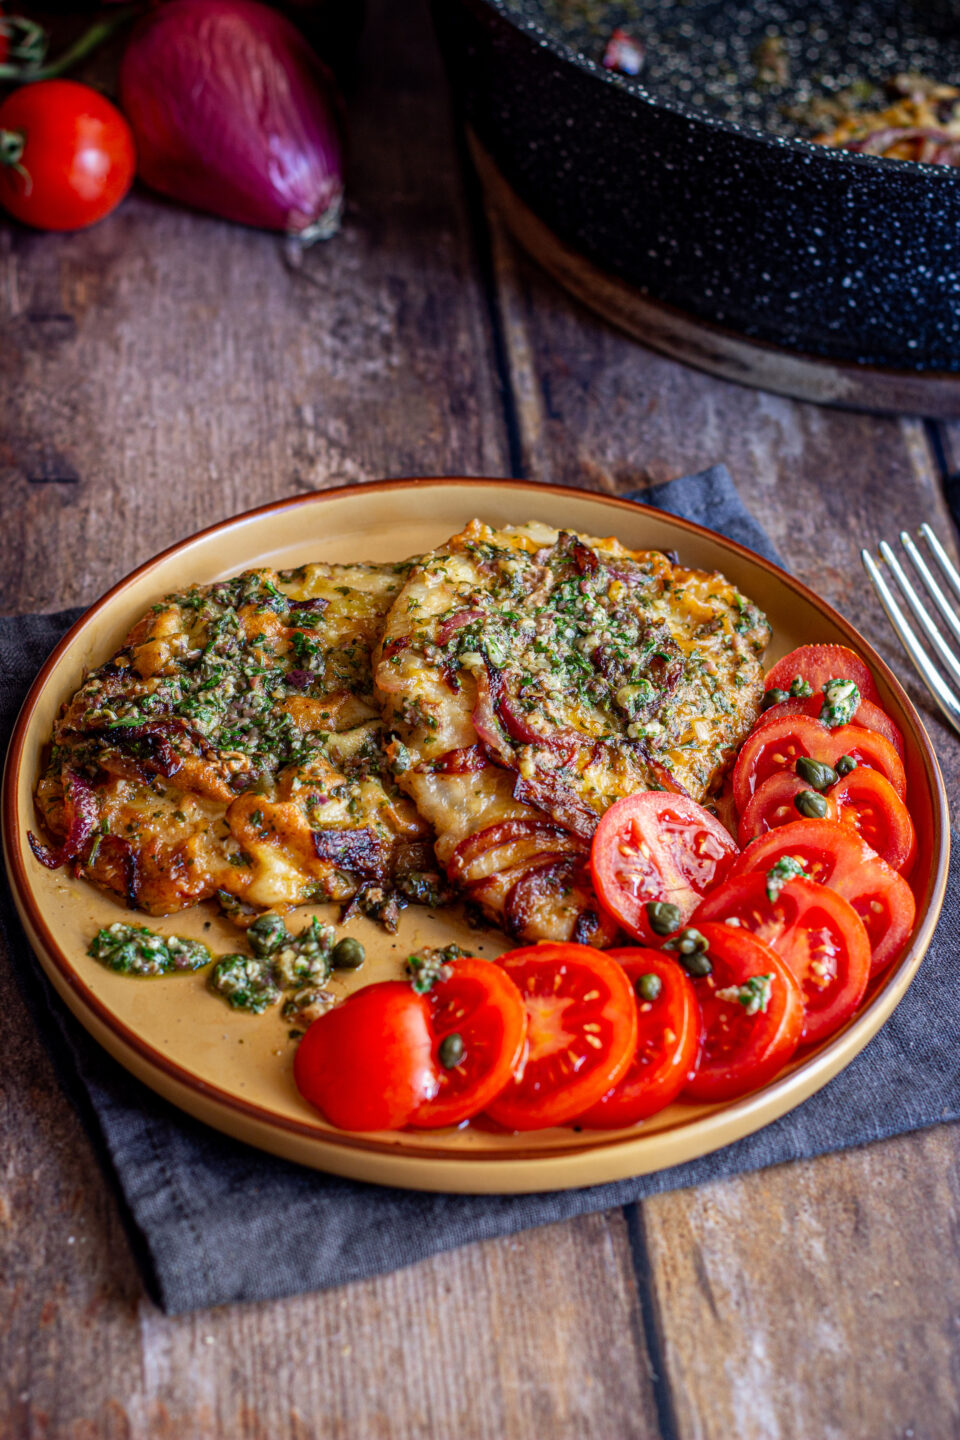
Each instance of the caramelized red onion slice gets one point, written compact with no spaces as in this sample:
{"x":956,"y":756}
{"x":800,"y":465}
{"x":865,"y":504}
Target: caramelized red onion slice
{"x":457,"y":622}
{"x":504,"y":832}
{"x":81,"y":813}
{"x":465,"y":760}
{"x":314,"y":606}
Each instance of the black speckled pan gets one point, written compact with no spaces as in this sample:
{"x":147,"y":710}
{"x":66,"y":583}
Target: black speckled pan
{"x":692,"y":186}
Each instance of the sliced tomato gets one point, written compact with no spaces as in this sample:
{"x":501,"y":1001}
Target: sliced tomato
{"x":868,"y":802}
{"x":867,"y":715}
{"x":480,"y":1012}
{"x":581,"y":1034}
{"x":772,"y":804}
{"x":819,"y":663}
{"x":668,"y":1041}
{"x":655,"y":846}
{"x":749,"y":1036}
{"x":368,"y":1063}
{"x":778,"y":746}
{"x":817,"y":934}
{"x":836,"y":856}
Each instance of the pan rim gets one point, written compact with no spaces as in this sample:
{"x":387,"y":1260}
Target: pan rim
{"x":568,"y":55}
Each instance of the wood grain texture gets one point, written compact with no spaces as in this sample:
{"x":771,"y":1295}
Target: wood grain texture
{"x":158,"y":372}
{"x":811,"y":1299}
{"x":164,"y":370}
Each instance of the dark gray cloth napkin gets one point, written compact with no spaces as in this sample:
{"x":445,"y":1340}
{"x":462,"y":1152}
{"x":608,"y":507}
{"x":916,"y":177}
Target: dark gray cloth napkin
{"x":214,"y":1221}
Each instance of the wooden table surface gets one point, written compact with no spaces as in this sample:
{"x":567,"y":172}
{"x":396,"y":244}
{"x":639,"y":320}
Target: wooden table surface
{"x":163,"y":371}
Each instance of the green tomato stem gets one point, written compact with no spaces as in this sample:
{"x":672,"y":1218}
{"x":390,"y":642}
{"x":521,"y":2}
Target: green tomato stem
{"x":79,"y":50}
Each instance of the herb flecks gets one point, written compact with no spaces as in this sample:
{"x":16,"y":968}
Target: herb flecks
{"x":788,"y":867}
{"x":430,"y":966}
{"x":137,"y":950}
{"x":753,"y":994}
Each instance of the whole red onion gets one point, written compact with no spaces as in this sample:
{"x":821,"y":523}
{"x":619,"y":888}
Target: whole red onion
{"x":234,"y":114}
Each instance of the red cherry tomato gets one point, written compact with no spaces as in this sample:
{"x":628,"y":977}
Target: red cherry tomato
{"x":668,"y":1041}
{"x":368,"y":1063}
{"x":481,"y":1004}
{"x":581,"y":1034}
{"x":656,"y":846}
{"x":777,"y":746}
{"x":750,"y":1035}
{"x":66,"y":155}
{"x":817,"y":934}
{"x":867,"y":715}
{"x":772,"y":804}
{"x":836,"y":856}
{"x":819,"y":663}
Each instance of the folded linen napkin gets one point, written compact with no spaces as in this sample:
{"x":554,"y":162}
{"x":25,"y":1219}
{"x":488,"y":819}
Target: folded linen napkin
{"x":213,"y":1220}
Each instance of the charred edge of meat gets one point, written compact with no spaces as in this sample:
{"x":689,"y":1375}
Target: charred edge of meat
{"x":129,"y":866}
{"x":359,"y":850}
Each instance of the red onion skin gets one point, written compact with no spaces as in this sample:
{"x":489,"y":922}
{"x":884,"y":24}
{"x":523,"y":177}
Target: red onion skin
{"x":233,"y":114}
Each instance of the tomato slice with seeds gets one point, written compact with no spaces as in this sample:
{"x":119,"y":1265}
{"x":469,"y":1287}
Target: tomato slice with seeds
{"x":819,"y":663}
{"x":668,"y":1042}
{"x":581,"y":1034}
{"x":480,"y":1004}
{"x":817,"y":934}
{"x":777,"y":746}
{"x":864,"y":799}
{"x":748,"y":1036}
{"x":836,"y":856}
{"x":368,"y":1063}
{"x":655,"y":846}
{"x":772,"y":805}
{"x":868,"y":716}
{"x":868,"y":802}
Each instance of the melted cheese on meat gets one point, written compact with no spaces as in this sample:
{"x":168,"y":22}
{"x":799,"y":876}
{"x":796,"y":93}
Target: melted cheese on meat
{"x":233,"y":743}
{"x":533,"y":677}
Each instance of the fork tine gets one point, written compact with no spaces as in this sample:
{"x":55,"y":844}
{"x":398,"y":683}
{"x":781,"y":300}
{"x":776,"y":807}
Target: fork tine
{"x":930,"y":676}
{"x":929,"y":579}
{"x":916,"y":605}
{"x":943,"y":559}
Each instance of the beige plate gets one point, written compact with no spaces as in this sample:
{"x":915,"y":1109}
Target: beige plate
{"x":233,"y":1070}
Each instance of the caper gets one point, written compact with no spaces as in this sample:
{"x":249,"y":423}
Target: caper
{"x":648,"y":986}
{"x":663,"y":917}
{"x":450,"y":1052}
{"x":811,"y":805}
{"x":816,"y":773}
{"x":773,"y":697}
{"x":691,"y":948}
{"x":697,"y":964}
{"x":267,"y":933}
{"x":845,"y":764}
{"x":348,"y":954}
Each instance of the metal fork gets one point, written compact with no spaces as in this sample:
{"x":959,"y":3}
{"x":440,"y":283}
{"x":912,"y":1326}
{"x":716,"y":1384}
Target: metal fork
{"x":942,"y":692}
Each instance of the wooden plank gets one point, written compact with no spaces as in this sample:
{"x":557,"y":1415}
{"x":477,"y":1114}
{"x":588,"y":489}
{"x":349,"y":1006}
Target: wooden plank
{"x":160,"y":371}
{"x":806,"y":1300}
{"x":163,"y":370}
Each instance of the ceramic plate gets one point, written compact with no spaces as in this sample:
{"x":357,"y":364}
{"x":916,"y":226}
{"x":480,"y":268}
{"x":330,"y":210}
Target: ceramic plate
{"x":234,"y":1071}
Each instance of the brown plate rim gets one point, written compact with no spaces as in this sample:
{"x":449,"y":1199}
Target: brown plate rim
{"x":820,"y":1062}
